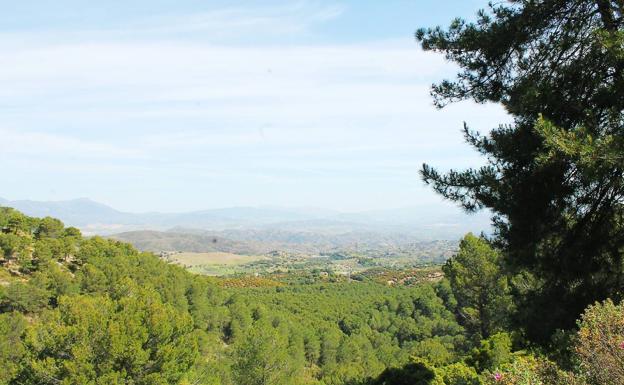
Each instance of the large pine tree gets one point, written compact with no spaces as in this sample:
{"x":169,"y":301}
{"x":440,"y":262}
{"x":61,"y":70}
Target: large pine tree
{"x":554,"y":178}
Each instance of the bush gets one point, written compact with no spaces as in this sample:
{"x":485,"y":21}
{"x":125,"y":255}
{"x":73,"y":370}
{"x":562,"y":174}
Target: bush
{"x":492,"y":353}
{"x":600,"y":343}
{"x":530,"y":371}
{"x":458,"y":374}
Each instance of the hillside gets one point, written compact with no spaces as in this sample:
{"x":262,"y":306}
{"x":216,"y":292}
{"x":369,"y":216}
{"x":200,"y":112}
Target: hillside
{"x":157,"y":241}
{"x":254,"y":242}
{"x":82,"y":310}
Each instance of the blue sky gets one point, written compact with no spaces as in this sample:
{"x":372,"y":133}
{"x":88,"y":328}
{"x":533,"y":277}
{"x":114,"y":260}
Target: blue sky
{"x":183,"y":105}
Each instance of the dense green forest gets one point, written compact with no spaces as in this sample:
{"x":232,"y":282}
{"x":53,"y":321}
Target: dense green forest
{"x":96,"y":311}
{"x":78,"y":311}
{"x":536,"y":302}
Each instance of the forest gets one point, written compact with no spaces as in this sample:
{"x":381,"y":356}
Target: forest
{"x":537,"y":301}
{"x":97,"y":311}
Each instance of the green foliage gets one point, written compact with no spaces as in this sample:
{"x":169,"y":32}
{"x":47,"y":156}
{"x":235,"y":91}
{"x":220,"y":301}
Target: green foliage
{"x":383,"y":325}
{"x":479,"y":286}
{"x":12,"y":327}
{"x":600,"y":343}
{"x":262,"y":358}
{"x":13,"y":246}
{"x":97,"y":311}
{"x":24,"y":298}
{"x":49,"y":228}
{"x":554,"y":178}
{"x":88,"y":340}
{"x":438,"y":351}
{"x":16,"y":222}
{"x":458,"y":374}
{"x":415,"y":373}
{"x":55,"y":280}
{"x":530,"y":370}
{"x":492,"y":353}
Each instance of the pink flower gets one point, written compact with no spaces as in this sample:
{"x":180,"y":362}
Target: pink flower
{"x":498,"y":376}
{"x":621,"y":345}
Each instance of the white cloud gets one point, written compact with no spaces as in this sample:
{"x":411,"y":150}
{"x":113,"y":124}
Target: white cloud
{"x":167,"y":107}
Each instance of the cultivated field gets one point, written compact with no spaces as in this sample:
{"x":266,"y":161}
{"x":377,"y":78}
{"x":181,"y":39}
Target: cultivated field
{"x":213,"y":258}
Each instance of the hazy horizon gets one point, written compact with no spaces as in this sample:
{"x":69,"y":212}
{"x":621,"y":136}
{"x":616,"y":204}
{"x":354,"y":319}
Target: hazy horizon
{"x":442,"y":204}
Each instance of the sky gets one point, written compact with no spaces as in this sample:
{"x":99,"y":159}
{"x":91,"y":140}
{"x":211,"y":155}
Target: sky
{"x":153,"y":105}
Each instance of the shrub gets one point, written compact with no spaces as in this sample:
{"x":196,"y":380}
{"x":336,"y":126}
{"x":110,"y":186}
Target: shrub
{"x":600,"y":343}
{"x":458,"y":374}
{"x":492,"y":353}
{"x":530,"y":371}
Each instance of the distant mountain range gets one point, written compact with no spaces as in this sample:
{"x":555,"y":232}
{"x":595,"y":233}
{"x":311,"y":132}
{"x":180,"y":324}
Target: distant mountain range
{"x":426,"y":222}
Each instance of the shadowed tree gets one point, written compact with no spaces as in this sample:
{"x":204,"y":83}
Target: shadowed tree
{"x":415,"y":373}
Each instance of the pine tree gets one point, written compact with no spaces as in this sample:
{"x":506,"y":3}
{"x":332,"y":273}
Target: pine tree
{"x":554,"y":178}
